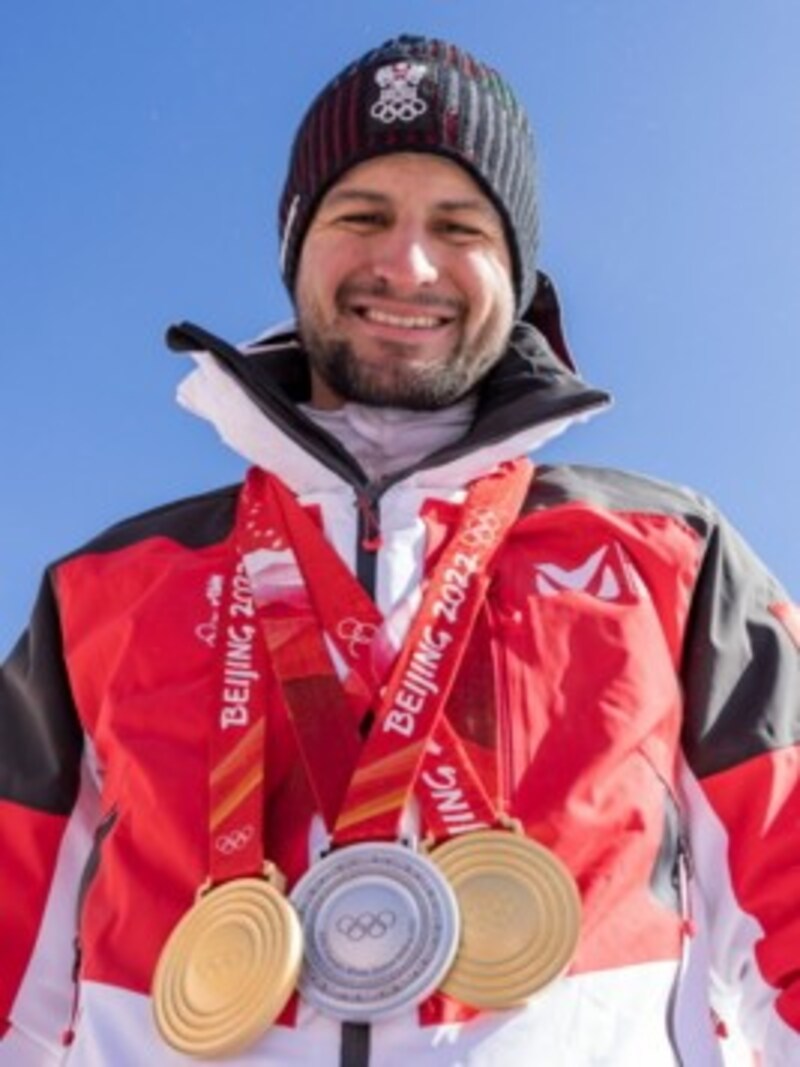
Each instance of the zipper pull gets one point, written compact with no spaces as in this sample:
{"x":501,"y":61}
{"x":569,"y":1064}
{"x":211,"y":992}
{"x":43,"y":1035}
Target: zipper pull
{"x":369,"y":523}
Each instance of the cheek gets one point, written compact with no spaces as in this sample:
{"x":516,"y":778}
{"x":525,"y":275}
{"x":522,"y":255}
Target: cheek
{"x":319,"y":274}
{"x":487,"y":272}
{"x":492,"y":295}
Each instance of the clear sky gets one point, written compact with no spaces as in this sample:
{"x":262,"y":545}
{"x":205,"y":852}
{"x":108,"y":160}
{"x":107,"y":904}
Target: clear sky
{"x":143,"y":148}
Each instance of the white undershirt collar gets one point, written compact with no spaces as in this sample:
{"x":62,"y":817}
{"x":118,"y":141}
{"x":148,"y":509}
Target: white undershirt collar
{"x":385,"y":440}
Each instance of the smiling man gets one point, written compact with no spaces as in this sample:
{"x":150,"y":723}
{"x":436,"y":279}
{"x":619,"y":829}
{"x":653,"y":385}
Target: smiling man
{"x":234,"y":718}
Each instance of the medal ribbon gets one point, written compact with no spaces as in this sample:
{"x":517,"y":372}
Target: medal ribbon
{"x":453,"y":797}
{"x":237,"y":742}
{"x":402,"y":749}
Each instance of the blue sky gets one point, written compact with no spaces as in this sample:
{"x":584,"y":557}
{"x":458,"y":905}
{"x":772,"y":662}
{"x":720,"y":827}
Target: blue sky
{"x":143,"y":152}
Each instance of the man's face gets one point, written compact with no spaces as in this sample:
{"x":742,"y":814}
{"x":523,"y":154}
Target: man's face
{"x":404,"y":291}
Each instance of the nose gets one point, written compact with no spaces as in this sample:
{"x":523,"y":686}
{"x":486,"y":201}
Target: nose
{"x":405,"y":259}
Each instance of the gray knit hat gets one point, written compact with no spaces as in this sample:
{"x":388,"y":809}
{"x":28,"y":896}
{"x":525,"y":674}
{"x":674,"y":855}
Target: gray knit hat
{"x":415,"y":94}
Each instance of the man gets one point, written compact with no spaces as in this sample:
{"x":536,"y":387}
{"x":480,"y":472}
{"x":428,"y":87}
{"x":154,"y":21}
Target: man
{"x":234,"y":718}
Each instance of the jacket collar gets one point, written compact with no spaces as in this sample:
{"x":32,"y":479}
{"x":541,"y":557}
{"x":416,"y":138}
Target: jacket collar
{"x":250,"y":394}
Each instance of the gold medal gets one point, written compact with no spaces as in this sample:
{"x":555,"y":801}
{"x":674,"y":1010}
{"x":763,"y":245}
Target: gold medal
{"x":227,"y":969}
{"x":520,"y":917}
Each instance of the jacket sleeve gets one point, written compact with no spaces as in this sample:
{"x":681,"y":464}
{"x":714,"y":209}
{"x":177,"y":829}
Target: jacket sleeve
{"x":44,"y":833}
{"x":741,"y":738}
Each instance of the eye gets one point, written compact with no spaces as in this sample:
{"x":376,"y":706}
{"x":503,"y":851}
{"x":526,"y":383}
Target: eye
{"x":363,"y":220}
{"x":460,"y":230}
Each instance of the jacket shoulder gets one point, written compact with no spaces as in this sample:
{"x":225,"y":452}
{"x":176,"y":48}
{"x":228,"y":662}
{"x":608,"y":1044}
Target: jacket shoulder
{"x":194,"y":522}
{"x":619,"y":490}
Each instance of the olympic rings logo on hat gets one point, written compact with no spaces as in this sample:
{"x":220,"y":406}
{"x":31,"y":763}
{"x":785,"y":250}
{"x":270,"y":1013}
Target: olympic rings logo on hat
{"x":399,"y":99}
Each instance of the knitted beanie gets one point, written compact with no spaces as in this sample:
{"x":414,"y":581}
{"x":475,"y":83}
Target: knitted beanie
{"x":415,"y":94}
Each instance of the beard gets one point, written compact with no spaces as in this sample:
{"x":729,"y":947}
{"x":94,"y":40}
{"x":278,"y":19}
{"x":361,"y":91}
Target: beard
{"x":397,"y":379}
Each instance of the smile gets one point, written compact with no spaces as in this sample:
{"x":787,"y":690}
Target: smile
{"x":405,"y":322}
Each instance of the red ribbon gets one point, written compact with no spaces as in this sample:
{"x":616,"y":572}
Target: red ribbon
{"x":302,"y":591}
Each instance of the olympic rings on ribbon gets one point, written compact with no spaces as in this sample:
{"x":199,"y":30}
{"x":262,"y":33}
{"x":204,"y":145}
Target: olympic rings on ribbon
{"x":234,"y":841}
{"x":355,"y":633}
{"x":482,"y":530}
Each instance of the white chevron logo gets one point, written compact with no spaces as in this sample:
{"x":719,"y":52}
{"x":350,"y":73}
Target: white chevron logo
{"x":602,"y":575}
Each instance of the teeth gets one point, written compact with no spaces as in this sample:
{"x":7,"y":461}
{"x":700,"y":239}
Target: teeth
{"x":409,"y":322}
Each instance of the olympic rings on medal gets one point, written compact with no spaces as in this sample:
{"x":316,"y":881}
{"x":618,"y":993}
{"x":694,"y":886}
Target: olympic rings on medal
{"x":482,"y":529}
{"x":234,"y":841}
{"x":381,"y":930}
{"x":366,"y":924}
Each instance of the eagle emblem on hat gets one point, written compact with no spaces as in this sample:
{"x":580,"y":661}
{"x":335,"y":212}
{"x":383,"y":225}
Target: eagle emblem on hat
{"x":399,"y":99}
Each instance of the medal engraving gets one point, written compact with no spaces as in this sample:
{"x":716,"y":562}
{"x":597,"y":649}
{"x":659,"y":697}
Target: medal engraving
{"x":228,"y":969}
{"x":520,"y":914}
{"x":381,"y":929}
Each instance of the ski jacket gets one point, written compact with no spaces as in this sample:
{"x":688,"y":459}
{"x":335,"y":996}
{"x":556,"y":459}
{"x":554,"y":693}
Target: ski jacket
{"x":643,"y":668}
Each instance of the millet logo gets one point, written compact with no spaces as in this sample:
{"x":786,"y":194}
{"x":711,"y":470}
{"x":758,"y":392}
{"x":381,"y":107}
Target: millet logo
{"x":607,"y":574}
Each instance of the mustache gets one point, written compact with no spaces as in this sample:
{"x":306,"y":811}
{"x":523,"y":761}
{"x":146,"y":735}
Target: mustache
{"x":384,"y":291}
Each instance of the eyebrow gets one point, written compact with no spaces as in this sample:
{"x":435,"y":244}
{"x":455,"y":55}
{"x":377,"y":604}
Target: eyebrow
{"x":338,"y":196}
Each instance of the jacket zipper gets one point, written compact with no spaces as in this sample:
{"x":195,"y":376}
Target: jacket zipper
{"x":368,"y":542}
{"x":682,"y":873}
{"x":91,"y":867}
{"x":355,"y":1040}
{"x":368,"y":535}
{"x":503,"y":727}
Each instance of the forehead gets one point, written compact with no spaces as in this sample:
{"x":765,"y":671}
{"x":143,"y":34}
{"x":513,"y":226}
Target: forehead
{"x":433,"y":179}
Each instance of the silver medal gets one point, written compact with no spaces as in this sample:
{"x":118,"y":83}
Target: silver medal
{"x":381,"y":929}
